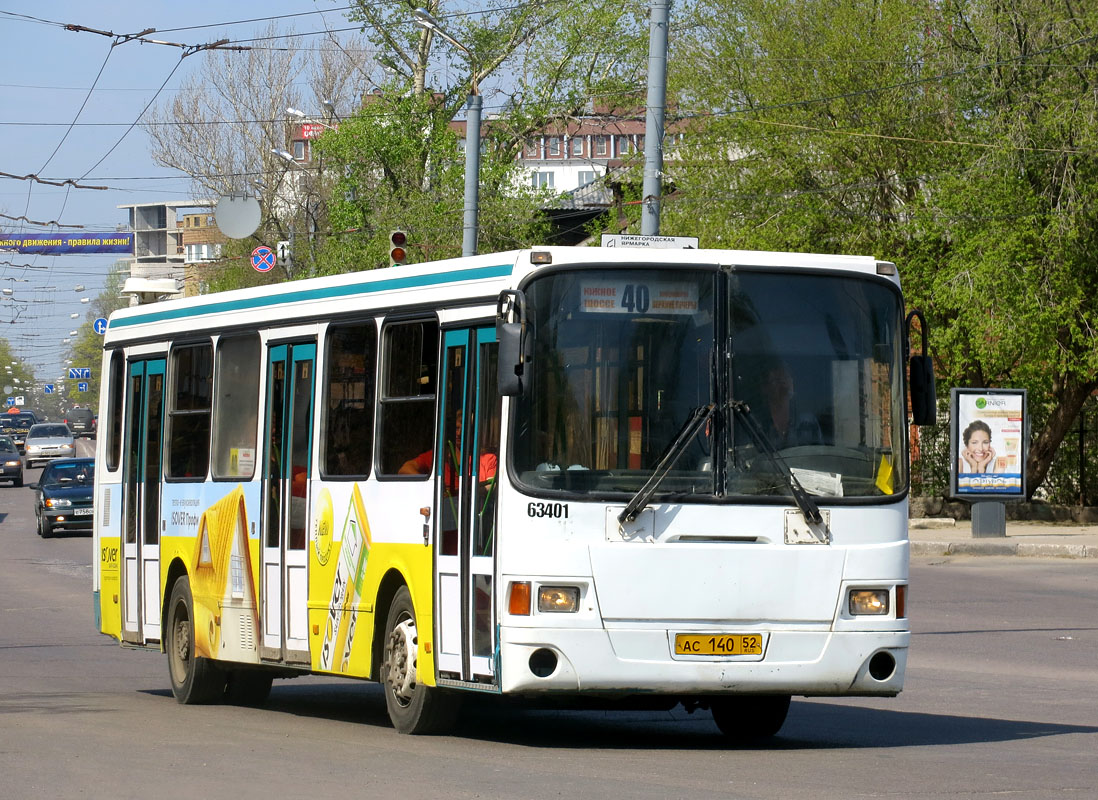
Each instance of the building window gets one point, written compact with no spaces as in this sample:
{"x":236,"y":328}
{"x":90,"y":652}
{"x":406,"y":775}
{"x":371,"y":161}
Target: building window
{"x":542,"y":180}
{"x":577,"y":145}
{"x":602,"y":145}
{"x":554,"y":145}
{"x":533,"y":147}
{"x":299,"y":150}
{"x":586,"y":177}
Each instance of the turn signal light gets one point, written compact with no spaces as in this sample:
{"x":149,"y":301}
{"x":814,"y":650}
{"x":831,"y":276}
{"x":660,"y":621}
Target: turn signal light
{"x":519,"y":604}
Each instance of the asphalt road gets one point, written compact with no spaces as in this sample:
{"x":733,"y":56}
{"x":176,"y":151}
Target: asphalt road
{"x":1000,"y":700}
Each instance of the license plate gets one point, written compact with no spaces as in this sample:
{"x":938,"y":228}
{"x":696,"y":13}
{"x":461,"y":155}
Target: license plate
{"x":81,"y":512}
{"x":718,"y":644}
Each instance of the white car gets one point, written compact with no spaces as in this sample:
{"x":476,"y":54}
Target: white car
{"x":47,"y":441}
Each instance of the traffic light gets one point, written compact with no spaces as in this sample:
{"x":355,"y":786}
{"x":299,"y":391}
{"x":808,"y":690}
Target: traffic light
{"x":398,"y":254}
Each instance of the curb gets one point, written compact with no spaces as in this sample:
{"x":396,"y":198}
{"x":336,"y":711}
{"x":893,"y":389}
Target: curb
{"x":984,"y":548}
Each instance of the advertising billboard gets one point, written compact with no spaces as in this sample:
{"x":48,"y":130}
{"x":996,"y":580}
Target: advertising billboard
{"x":988,"y":444}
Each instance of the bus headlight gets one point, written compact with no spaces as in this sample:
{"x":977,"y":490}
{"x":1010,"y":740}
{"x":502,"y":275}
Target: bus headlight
{"x":868,"y":601}
{"x":563,"y":599}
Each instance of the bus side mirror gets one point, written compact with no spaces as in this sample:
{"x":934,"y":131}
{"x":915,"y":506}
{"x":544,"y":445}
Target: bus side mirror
{"x":924,"y":403}
{"x":513,"y":342}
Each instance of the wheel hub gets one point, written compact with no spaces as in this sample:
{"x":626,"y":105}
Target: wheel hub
{"x":402,"y":661}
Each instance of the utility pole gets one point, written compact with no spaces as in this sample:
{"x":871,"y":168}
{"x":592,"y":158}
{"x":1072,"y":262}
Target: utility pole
{"x":659,"y":12}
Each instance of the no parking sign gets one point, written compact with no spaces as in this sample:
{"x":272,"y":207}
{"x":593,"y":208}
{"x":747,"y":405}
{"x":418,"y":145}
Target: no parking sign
{"x":263,"y":258}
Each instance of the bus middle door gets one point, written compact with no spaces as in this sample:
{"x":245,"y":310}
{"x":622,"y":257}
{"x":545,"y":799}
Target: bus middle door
{"x":142,"y":469}
{"x":288,"y":432}
{"x":466,"y":456}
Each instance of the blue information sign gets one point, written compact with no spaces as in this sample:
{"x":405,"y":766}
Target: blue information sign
{"x":100,"y":325}
{"x":82,"y":386}
{"x":48,"y":388}
{"x":80,"y":372}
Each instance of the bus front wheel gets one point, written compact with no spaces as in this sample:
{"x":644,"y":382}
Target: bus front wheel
{"x":750,"y":717}
{"x":413,"y":706}
{"x":194,"y":679}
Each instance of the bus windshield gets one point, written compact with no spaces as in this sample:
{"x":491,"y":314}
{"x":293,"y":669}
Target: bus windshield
{"x":623,"y":358}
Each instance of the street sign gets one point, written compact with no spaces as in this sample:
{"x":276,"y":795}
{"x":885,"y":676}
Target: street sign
{"x":82,"y":386}
{"x":20,"y":400}
{"x":48,"y":388}
{"x":263,"y":258}
{"x":651,"y":242}
{"x":100,"y":325}
{"x":11,"y":401}
{"x":283,"y":250}
{"x":80,"y":372}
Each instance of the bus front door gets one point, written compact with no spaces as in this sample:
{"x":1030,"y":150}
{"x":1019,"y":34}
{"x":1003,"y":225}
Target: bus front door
{"x":288,"y":430}
{"x":142,"y":467}
{"x":466,"y":456}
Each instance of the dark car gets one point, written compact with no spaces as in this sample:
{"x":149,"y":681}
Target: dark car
{"x":11,"y":465}
{"x":17,"y":426}
{"x":63,"y":496}
{"x":81,"y":422}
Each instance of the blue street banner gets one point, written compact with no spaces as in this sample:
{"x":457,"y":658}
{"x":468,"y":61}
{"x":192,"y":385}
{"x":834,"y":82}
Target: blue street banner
{"x":66,"y":244}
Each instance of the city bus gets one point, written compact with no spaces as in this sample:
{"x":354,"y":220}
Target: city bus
{"x":624,"y":475}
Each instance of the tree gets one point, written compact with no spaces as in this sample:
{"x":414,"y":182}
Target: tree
{"x":86,"y":348}
{"x":398,"y":156}
{"x":223,"y":124}
{"x":955,"y":139}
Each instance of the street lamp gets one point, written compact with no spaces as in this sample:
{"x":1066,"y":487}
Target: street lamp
{"x":472,"y":135}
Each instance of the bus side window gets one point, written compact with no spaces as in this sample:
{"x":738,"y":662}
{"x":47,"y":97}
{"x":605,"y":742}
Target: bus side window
{"x":349,"y":399}
{"x":406,"y":420}
{"x":236,"y":406}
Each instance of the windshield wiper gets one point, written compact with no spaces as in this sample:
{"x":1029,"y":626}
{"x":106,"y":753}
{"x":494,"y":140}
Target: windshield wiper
{"x":685,"y":436}
{"x":802,"y":498}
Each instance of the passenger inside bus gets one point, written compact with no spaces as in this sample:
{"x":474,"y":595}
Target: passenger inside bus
{"x":778,"y":415}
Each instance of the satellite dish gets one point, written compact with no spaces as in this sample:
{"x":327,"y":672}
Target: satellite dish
{"x":237,"y":216}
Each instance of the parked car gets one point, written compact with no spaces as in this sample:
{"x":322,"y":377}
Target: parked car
{"x":11,"y":465}
{"x":17,"y":426}
{"x":81,"y":422}
{"x":47,"y":441}
{"x":63,"y":496}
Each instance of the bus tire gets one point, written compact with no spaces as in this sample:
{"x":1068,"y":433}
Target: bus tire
{"x":413,"y":706}
{"x":749,"y":718}
{"x":194,"y":679}
{"x":245,"y":687}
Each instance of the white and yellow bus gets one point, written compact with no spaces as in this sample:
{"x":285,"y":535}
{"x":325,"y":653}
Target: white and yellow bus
{"x":672,"y":474}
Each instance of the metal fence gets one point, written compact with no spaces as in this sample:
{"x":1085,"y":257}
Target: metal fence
{"x":1072,"y":479}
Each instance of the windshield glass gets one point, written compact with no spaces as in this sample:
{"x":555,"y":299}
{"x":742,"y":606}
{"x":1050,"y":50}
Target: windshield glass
{"x":43,"y":431}
{"x":69,"y":474}
{"x":622,"y":358}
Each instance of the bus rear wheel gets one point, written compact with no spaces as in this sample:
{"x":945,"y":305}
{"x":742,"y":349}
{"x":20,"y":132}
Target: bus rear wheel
{"x":748,"y":718}
{"x":194,"y":679}
{"x":413,"y":706}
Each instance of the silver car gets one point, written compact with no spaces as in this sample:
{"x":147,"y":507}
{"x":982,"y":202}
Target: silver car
{"x":47,"y":441}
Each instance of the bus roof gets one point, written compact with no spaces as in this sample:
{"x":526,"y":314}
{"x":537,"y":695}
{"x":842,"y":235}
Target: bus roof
{"x":479,"y":277}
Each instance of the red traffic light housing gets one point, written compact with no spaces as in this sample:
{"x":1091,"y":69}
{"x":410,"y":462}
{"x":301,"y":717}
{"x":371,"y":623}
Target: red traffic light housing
{"x":398,"y":253}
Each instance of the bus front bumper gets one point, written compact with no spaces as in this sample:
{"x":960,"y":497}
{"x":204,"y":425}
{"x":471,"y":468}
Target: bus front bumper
{"x":632,"y":661}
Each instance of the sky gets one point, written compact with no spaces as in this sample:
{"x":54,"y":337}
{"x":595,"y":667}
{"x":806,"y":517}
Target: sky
{"x":46,"y":73}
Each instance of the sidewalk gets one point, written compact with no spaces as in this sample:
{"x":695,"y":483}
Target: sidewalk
{"x":934,"y":536}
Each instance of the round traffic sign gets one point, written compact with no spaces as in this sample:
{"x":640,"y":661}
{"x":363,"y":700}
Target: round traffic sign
{"x":263,"y":258}
{"x":100,"y":325}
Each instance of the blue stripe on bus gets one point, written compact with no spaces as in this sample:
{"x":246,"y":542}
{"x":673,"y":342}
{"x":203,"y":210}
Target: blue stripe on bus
{"x":386,"y":285}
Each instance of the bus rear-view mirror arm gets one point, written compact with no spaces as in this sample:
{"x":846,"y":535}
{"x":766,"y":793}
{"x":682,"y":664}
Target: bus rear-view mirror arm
{"x":924,"y":404}
{"x":511,"y":333}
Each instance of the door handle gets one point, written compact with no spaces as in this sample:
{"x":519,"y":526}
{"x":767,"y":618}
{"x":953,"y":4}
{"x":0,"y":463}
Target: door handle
{"x":426,"y":512}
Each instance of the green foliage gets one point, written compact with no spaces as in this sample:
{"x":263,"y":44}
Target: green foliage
{"x":956,"y":139}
